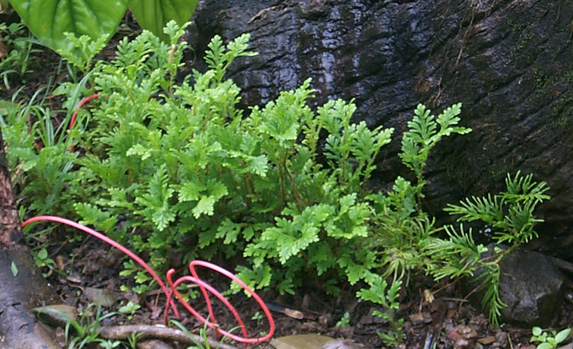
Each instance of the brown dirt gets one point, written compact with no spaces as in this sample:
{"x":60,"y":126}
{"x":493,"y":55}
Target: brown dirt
{"x":454,"y":322}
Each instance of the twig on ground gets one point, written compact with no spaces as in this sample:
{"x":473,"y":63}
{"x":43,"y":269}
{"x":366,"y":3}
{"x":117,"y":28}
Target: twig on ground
{"x":155,"y":332}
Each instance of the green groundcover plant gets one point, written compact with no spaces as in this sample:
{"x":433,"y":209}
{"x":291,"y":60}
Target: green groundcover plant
{"x":173,"y":167}
{"x":17,"y":60}
{"x":510,"y":214}
{"x":548,"y":340}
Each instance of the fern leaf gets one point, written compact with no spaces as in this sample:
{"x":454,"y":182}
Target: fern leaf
{"x":487,"y":209}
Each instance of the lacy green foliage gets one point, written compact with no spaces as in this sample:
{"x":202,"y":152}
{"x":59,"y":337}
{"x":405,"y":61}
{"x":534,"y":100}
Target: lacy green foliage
{"x":453,"y":257}
{"x":400,"y":229}
{"x":510,"y":213}
{"x":182,"y":164}
{"x":425,"y":131}
{"x":387,"y":297}
{"x":83,"y":52}
{"x":187,"y":172}
{"x":400,"y":225}
{"x":323,"y":214}
{"x":38,"y":155}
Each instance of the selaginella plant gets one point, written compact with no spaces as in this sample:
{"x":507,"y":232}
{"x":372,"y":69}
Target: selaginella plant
{"x":190,"y":173}
{"x":400,"y":229}
{"x":401,"y":225}
{"x":404,"y":236}
{"x":511,"y":214}
{"x":171,"y":166}
{"x":187,"y":172}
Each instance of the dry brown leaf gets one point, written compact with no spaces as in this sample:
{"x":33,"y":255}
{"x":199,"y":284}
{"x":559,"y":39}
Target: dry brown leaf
{"x":301,"y":341}
{"x":486,"y":340}
{"x":428,"y":296}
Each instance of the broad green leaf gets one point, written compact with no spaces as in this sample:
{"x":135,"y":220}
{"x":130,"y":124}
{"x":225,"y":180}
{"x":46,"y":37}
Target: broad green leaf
{"x":545,"y":346}
{"x":153,"y":15}
{"x":537,"y":331}
{"x":561,"y":336}
{"x":50,"y":19}
{"x":42,"y":254}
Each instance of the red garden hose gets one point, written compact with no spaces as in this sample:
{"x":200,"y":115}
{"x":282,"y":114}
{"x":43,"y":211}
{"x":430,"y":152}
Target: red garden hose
{"x":205,"y":287}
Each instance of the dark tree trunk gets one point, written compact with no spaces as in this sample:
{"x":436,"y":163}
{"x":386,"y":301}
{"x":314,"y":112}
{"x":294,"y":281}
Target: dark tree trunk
{"x":509,"y":62}
{"x":23,"y":287}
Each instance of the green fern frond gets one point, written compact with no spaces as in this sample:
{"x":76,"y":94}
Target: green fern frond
{"x":487,"y":209}
{"x":524,"y":189}
{"x":423,"y":134}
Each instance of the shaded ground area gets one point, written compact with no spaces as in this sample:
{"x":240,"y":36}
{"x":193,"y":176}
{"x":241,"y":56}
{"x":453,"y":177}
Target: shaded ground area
{"x":91,"y":276}
{"x":86,"y":271}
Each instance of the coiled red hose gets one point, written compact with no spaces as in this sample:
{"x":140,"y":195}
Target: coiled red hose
{"x":206,"y":289}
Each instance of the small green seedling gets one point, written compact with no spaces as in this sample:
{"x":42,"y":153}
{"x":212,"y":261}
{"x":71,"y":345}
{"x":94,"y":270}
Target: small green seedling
{"x":387,"y":296}
{"x":200,"y":341}
{"x":344,"y":320}
{"x":85,"y":331}
{"x":129,"y":309}
{"x":132,"y":339}
{"x":257,"y":316}
{"x":548,"y":340}
{"x":14,"y":268}
{"x":42,"y":259}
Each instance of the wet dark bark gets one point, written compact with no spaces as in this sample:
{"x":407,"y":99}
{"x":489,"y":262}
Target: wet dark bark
{"x":509,"y":62}
{"x":23,"y":287}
